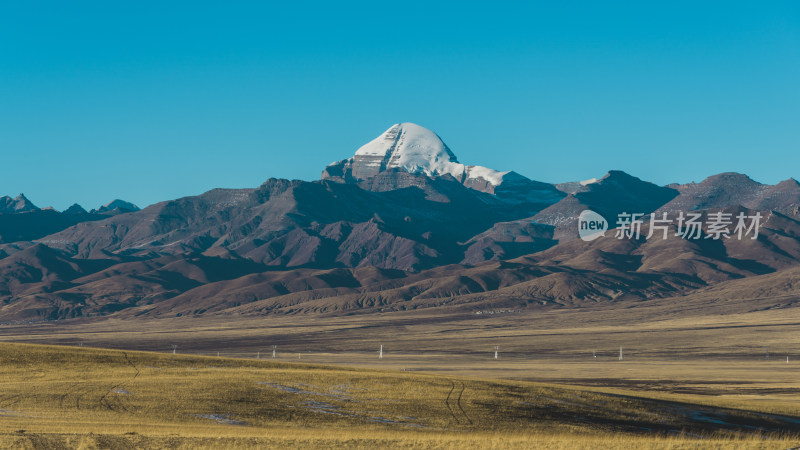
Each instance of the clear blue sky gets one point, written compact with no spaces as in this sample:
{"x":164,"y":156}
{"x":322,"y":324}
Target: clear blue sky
{"x":150,"y":101}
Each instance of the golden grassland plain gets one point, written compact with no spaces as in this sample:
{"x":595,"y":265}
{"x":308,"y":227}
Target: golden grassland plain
{"x":702,"y":367}
{"x":72,"y":397}
{"x":707,"y":346}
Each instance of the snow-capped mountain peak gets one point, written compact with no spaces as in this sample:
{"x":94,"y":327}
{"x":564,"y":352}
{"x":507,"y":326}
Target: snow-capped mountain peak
{"x":407,"y":138}
{"x":412,"y":148}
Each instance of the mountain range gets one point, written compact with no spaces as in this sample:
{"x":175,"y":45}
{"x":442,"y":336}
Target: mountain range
{"x":22,"y":221}
{"x":402,"y":224}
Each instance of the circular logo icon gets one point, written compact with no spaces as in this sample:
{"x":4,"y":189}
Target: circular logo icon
{"x":591,"y":225}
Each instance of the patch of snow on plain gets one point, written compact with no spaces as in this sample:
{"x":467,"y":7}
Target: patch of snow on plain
{"x":221,"y":419}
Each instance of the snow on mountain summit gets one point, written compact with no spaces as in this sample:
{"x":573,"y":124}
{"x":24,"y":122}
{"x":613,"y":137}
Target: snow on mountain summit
{"x":412,"y":148}
{"x":407,"y":138}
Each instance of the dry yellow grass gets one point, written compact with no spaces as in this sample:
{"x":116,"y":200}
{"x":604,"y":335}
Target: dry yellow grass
{"x":70,"y":397}
{"x":670,"y":346}
{"x":360,"y":440}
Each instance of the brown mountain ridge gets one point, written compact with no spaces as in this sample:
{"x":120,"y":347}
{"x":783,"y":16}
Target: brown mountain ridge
{"x":398,"y":230}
